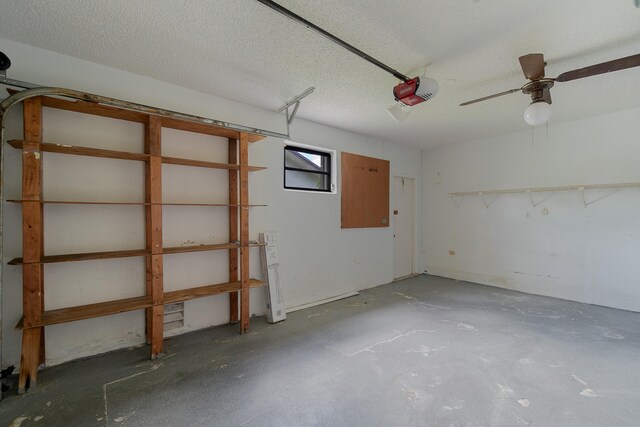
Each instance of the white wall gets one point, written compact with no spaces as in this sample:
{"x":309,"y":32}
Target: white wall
{"x":318,"y":259}
{"x":559,"y":248}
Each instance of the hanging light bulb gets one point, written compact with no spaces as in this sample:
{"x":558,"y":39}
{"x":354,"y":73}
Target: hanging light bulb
{"x":537,"y":113}
{"x":399,"y":111}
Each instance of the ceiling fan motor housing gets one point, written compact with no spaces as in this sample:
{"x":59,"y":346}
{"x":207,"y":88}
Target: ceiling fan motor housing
{"x":415,"y":91}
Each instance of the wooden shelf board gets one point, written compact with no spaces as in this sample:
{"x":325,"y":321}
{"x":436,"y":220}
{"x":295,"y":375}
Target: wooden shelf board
{"x":125,"y":155}
{"x":212,"y":204}
{"x":198,"y":163}
{"x":205,"y":164}
{"x":71,"y":202}
{"x":84,"y":151}
{"x":203,"y":291}
{"x":89,"y":311}
{"x":199,"y":248}
{"x":255,"y":138}
{"x":86,"y":256}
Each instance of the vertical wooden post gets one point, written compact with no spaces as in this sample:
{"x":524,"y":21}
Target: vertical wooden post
{"x":153,"y":216}
{"x":32,"y":246}
{"x":233,"y":228}
{"x":244,"y":232}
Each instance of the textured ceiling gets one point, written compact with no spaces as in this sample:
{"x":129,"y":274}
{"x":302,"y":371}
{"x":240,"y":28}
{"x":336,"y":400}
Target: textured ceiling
{"x":241,"y":50}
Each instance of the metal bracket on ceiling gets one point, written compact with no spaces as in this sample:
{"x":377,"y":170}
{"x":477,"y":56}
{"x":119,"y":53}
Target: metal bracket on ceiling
{"x":295,"y":102}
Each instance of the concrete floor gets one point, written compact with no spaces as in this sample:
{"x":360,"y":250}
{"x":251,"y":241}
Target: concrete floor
{"x":424,"y":351}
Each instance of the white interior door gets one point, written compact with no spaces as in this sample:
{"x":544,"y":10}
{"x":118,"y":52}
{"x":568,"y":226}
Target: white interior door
{"x":403,"y":211}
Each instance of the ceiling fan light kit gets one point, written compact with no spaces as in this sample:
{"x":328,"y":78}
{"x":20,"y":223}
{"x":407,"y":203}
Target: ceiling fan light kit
{"x":537,"y":113}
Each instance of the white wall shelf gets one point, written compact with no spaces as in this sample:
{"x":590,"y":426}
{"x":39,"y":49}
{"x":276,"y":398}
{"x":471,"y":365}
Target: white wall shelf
{"x":581,"y":188}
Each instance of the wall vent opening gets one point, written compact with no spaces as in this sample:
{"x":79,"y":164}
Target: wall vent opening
{"x":173,"y":316}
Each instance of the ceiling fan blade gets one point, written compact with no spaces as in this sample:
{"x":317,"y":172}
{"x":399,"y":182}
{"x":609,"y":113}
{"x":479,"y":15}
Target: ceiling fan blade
{"x":546,"y":95}
{"x":532,"y":65}
{"x":507,"y":92}
{"x":605,"y":67}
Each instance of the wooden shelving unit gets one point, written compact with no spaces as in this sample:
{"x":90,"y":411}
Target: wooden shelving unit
{"x":36,"y":318}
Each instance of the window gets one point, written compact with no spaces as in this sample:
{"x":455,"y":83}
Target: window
{"x":309,"y":168}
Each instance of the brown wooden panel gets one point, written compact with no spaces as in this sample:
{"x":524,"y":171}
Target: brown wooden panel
{"x":233,"y":229}
{"x":365,"y":191}
{"x":244,"y":232}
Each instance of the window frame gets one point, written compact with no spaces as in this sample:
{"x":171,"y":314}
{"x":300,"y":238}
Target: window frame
{"x":329,"y":155}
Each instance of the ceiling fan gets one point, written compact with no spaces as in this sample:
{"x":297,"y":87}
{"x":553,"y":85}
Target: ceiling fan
{"x":538,"y":86}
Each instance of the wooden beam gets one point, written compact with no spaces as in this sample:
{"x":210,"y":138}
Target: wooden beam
{"x":244,"y":233}
{"x":94,"y":109}
{"x":32,"y":244}
{"x":233,"y":229}
{"x":153,"y":216}
{"x":168,"y":122}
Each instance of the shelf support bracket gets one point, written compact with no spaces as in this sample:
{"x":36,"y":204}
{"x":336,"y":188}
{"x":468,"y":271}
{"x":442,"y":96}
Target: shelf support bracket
{"x":584,"y":200}
{"x":295,"y":103}
{"x":533,"y":203}
{"x":484,"y":201}
{"x":456,"y":203}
